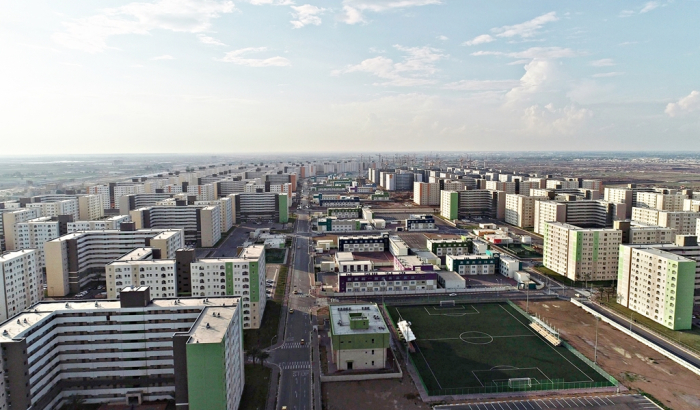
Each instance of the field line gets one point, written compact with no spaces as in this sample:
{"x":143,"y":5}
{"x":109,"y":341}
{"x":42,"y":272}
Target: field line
{"x":547,"y":343}
{"x":428,"y":364}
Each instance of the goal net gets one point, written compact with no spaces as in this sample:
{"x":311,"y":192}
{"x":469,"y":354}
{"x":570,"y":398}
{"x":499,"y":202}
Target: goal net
{"x":520,"y":383}
{"x":447,"y":303}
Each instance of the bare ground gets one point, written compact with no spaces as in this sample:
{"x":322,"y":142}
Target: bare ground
{"x":635,"y":365}
{"x":396,"y":394}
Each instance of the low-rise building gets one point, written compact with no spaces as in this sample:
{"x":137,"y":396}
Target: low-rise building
{"x":443,"y":247}
{"x":364,"y":243}
{"x":382,"y":281}
{"x":422,"y":222}
{"x":359,"y":337}
{"x":451,"y":280}
{"x":473,"y":264}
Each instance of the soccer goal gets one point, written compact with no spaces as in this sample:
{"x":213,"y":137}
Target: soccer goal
{"x":520,"y":383}
{"x":447,"y":303}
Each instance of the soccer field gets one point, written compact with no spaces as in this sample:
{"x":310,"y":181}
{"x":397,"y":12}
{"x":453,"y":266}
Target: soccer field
{"x":486,"y":348}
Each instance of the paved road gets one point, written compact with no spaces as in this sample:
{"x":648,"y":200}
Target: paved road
{"x":626,"y":402}
{"x":293,"y":357}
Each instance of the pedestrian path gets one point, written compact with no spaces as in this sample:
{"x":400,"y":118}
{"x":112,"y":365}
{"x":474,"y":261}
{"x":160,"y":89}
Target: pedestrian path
{"x":295,"y":365}
{"x":297,"y":345}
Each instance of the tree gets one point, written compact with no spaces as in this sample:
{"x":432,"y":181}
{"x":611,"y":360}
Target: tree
{"x":262,"y":355}
{"x":75,"y":402}
{"x":253,"y":353}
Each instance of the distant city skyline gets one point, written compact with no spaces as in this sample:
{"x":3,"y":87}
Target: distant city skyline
{"x":275,"y":76}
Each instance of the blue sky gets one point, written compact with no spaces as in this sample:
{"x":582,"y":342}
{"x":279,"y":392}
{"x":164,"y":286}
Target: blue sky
{"x":348,"y":75}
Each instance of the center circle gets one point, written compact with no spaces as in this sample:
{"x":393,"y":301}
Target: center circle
{"x":477,"y":338}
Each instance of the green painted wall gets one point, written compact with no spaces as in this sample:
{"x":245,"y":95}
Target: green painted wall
{"x":284,"y":208}
{"x":206,"y":376}
{"x":254,"y":275}
{"x":361,"y":341}
{"x":682,"y":310}
{"x":596,"y":236}
{"x":229,"y":278}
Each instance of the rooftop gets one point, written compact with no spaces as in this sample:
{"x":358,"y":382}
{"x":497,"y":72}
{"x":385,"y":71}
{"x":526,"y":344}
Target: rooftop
{"x":211,"y":324}
{"x":340,"y":319}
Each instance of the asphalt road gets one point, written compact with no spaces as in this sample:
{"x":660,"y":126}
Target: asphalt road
{"x":293,"y":357}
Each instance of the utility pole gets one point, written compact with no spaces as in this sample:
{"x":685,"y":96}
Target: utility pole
{"x":595,"y":357}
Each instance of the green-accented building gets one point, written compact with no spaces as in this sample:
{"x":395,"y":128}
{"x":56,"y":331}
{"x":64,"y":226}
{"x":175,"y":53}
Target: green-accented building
{"x":359,"y":337}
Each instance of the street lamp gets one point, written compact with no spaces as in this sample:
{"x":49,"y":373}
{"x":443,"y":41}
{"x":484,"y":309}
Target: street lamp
{"x":595,"y":357}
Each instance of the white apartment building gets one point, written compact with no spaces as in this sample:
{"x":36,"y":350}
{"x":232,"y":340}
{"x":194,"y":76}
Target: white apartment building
{"x":507,"y":187}
{"x":452,"y":185}
{"x":34,"y":233}
{"x":661,"y":201}
{"x":186,"y":350}
{"x":121,"y":190}
{"x":11,"y":219}
{"x":201,"y":224}
{"x":682,"y":222}
{"x":90,"y":207}
{"x":242,"y":277}
{"x":443,"y":247}
{"x":589,"y":213}
{"x":426,"y":193}
{"x":525,"y":187}
{"x":76,"y":259}
{"x":113,"y":222}
{"x":561,"y":184}
{"x":594,"y":184}
{"x":520,"y":210}
{"x":657,"y":284}
{"x":206,"y":192}
{"x":139,"y":268}
{"x":581,"y":254}
{"x":225,"y":205}
{"x":20,"y":281}
{"x":103,"y":192}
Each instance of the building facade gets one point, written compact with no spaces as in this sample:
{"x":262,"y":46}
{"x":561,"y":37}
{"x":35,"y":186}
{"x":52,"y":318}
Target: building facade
{"x":21,"y":282}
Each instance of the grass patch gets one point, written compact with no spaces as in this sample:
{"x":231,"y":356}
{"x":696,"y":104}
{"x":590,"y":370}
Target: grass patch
{"x":576,"y":284}
{"x":257,"y":384}
{"x":271,"y":318}
{"x":275,"y":255}
{"x":688,"y":338}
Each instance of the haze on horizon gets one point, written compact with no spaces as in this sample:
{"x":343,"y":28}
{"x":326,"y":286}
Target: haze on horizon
{"x":203,"y":76}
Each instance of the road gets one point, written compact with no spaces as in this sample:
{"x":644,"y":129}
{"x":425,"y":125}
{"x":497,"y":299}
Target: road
{"x":292,"y":357}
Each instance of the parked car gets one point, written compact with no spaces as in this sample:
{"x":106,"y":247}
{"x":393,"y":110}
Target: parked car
{"x":452,"y":294}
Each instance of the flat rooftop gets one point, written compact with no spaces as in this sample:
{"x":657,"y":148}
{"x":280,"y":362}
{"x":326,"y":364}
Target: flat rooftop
{"x":340,"y":319}
{"x":23,"y":321}
{"x":660,"y":252}
{"x":211,"y":324}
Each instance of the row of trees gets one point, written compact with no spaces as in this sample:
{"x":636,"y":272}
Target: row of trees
{"x":256,"y":354}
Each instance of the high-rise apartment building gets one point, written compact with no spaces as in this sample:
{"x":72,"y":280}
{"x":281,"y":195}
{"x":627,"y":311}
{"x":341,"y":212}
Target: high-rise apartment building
{"x":201,"y":224}
{"x":20,"y":283}
{"x":261,"y":206}
{"x":90,"y":208}
{"x":426,"y":193}
{"x":187,"y":350}
{"x":520,"y":210}
{"x":471,"y":203}
{"x":583,"y":213}
{"x":682,"y":222}
{"x":580,"y":253}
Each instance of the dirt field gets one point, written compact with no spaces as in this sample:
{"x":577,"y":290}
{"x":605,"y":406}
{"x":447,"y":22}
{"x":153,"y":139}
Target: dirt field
{"x":373,"y":394}
{"x":635,"y":365}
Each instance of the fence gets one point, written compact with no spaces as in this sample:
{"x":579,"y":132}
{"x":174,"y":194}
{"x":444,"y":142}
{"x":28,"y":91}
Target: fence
{"x":571,"y":349}
{"x":556,"y":384}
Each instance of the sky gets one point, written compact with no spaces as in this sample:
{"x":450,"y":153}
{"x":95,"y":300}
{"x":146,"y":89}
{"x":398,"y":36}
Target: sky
{"x":210,"y":76}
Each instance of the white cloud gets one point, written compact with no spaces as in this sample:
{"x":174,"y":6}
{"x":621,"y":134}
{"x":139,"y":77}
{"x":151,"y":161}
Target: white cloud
{"x":415,"y":69}
{"x":687,"y":104}
{"x":482,"y":85}
{"x":189,"y":16}
{"x":442,"y":38}
{"x":533,"y":53}
{"x":305,"y":15}
{"x":649,"y":6}
{"x":627,"y":13}
{"x":236,"y":57}
{"x":163,"y":57}
{"x":353,"y":9}
{"x":549,"y":120}
{"x":610,"y":74}
{"x":527,"y":29}
{"x":482,"y":39}
{"x":605,"y":62}
{"x":209,"y":40}
{"x":538,"y":75}
{"x":270,"y":2}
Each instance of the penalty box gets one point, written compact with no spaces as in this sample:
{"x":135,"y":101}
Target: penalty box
{"x":500,"y":375}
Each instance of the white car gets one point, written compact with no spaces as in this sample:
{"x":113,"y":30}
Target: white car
{"x":452,"y":294}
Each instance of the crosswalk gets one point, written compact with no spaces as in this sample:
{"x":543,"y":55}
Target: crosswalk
{"x":295,"y":365}
{"x":293,"y":345}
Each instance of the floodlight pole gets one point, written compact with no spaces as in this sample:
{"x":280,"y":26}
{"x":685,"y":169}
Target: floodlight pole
{"x":595,"y":357}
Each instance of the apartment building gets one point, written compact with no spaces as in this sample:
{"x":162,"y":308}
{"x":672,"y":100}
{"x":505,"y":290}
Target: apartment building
{"x":507,"y":187}
{"x":75,"y":260}
{"x":625,"y":195}
{"x":345,"y":213}
{"x":260,"y":206}
{"x":638,"y":234}
{"x":242,"y":277}
{"x":228,"y":187}
{"x":473,"y":264}
{"x":444,"y":247}
{"x":453,"y":185}
{"x":90,"y":207}
{"x":598,"y":214}
{"x":188,"y":350}
{"x":113,"y":222}
{"x":581,"y":253}
{"x":11,"y":219}
{"x":201,"y":224}
{"x":206,"y":192}
{"x":383,"y":281}
{"x":520,"y":210}
{"x":103,"y":191}
{"x":426,"y":193}
{"x":142,"y":267}
{"x":134,"y":201}
{"x":682,"y":222}
{"x":225,"y":205}
{"x":666,"y":200}
{"x":657,"y":284}
{"x":364,"y":243}
{"x":525,"y":187}
{"x":34,"y":233}
{"x":422,"y":222}
{"x":21,"y":283}
{"x":472,"y":203}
